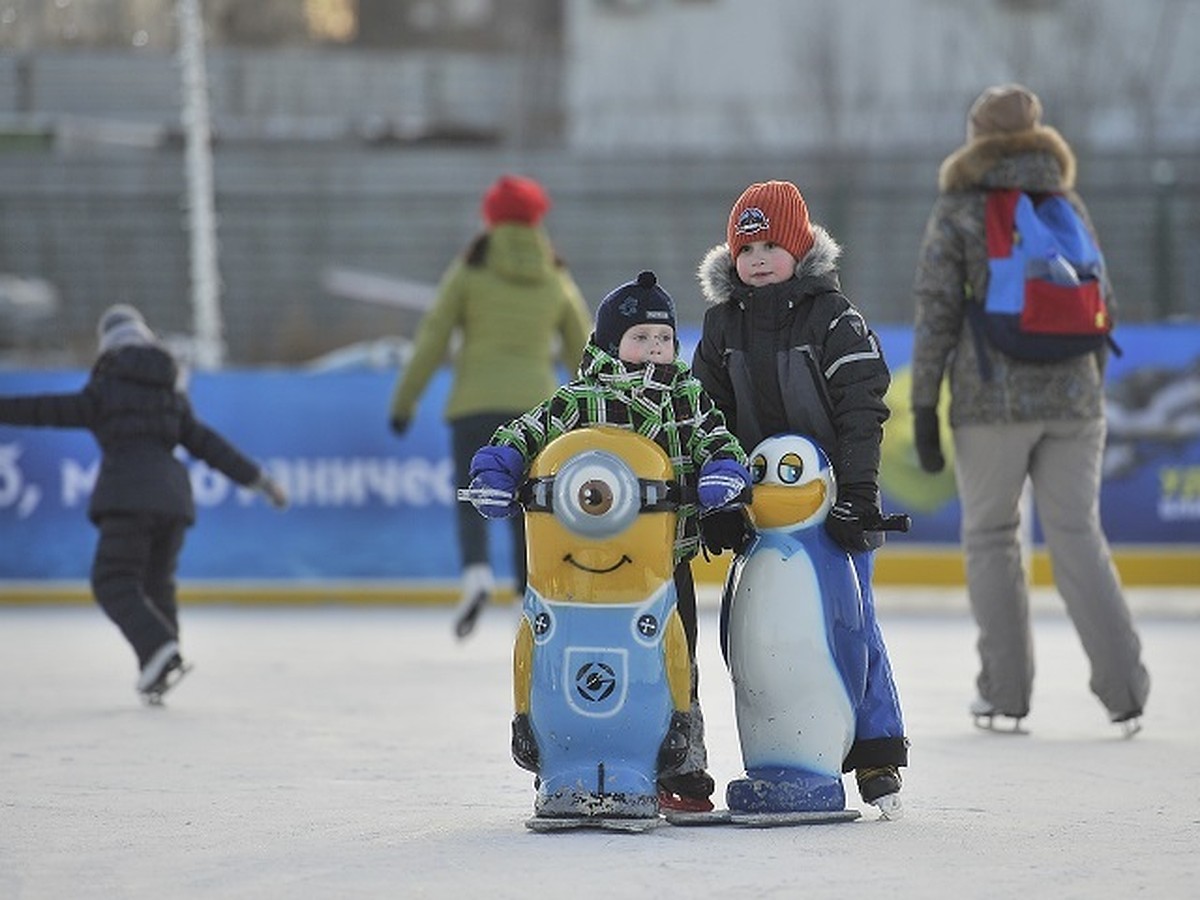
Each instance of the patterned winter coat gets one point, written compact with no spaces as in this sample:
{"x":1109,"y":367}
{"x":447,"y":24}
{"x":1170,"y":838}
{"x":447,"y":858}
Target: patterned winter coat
{"x":131,"y":405}
{"x":794,"y":357}
{"x":515,"y":307}
{"x":660,"y":401}
{"x":953,"y":265}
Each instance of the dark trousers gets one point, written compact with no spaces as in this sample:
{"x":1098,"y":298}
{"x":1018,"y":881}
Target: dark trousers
{"x":468,"y":434}
{"x":133,"y":577}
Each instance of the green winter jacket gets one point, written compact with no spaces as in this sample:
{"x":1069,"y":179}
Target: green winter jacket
{"x":516,"y":309}
{"x":661,"y":401}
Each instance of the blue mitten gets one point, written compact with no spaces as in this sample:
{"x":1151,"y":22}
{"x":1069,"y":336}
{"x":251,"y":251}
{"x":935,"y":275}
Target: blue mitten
{"x":496,"y":473}
{"x":721,"y":483}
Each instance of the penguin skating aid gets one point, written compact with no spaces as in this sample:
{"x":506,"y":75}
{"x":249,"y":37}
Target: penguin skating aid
{"x":794,"y":639}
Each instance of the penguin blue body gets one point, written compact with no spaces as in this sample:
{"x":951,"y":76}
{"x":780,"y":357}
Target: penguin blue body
{"x":794,"y":639}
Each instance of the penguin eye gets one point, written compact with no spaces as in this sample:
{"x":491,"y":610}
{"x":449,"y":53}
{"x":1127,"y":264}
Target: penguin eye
{"x":758,"y":468}
{"x":595,"y":497}
{"x":791,"y":468}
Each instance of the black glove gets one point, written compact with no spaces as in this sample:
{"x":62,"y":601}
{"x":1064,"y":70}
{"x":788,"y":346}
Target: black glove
{"x":399,"y":425}
{"x":725,"y":529}
{"x":674,"y":747}
{"x":927,"y":434}
{"x":855,"y":513}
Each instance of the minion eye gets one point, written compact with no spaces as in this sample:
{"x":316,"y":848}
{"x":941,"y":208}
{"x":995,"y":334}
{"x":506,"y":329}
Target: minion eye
{"x":596,"y":495}
{"x":758,"y":468}
{"x":791,"y":468}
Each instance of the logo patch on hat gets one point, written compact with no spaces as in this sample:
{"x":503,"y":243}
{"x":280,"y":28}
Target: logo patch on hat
{"x":752,"y":221}
{"x":658,"y":314}
{"x":629,"y":306}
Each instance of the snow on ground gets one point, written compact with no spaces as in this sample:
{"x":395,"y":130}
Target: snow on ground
{"x":363,"y":752}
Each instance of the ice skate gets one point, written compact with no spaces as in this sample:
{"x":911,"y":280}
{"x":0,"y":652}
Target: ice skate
{"x":985,"y":714}
{"x":686,"y":792}
{"x":1130,"y":722}
{"x":161,"y":673}
{"x":880,"y":786}
{"x":477,"y":587}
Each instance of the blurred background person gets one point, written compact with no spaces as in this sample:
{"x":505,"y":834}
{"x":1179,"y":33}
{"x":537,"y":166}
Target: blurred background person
{"x":517,"y":312}
{"x":1014,"y":420}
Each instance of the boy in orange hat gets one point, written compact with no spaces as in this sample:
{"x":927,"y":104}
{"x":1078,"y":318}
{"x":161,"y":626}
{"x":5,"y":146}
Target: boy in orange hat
{"x":783,"y":350}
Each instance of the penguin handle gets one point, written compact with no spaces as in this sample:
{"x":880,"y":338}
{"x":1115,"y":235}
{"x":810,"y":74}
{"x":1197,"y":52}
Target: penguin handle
{"x":895,"y":522}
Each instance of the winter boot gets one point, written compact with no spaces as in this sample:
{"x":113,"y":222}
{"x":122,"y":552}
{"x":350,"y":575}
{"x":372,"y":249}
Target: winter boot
{"x":880,"y":786}
{"x":161,"y":673}
{"x":686,"y":791}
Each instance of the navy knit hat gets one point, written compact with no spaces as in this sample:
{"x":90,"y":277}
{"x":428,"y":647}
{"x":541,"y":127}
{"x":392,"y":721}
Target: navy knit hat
{"x":635,"y":303}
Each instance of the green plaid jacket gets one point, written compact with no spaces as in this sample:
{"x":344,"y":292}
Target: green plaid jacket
{"x":663,"y":402}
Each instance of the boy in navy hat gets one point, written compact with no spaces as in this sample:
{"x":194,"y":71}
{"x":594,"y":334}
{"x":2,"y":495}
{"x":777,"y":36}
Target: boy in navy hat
{"x":632,"y":378}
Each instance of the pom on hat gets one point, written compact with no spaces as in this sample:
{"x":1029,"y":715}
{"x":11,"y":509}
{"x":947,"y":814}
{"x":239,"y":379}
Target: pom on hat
{"x":1003,"y":109}
{"x":514,"y":198}
{"x":639,"y":302}
{"x":770,"y":211}
{"x":122,"y":326}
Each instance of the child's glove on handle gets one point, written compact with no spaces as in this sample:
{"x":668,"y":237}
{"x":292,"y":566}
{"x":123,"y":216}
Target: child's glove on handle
{"x":855,"y":513}
{"x":721,"y":483}
{"x":725,"y":529}
{"x":496,"y":473}
{"x":928,"y":438}
{"x":271,"y":489}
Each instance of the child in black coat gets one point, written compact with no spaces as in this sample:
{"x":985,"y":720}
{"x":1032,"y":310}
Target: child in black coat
{"x":142,"y":503}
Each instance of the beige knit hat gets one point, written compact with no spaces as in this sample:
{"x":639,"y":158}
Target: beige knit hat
{"x":1003,"y":109}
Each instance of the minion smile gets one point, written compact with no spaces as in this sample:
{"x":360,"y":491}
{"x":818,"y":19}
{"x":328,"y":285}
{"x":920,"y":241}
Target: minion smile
{"x":620,"y":562}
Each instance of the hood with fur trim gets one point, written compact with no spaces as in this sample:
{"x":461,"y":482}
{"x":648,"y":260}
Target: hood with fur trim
{"x":718,"y":276}
{"x":1003,"y":160}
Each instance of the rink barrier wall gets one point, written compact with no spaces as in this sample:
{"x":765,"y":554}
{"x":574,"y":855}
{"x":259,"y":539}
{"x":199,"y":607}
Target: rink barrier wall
{"x":372,"y":518}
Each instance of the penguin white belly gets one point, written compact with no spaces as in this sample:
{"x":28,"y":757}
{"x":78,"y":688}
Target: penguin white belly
{"x":792,"y":706}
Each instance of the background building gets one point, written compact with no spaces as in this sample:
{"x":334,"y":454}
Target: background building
{"x":352,"y":141}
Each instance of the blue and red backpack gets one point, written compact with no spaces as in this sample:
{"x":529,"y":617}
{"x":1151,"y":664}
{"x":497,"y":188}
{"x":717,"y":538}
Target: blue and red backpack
{"x":1044,"y":299}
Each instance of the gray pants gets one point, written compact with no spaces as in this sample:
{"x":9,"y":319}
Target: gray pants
{"x":1062,"y":460}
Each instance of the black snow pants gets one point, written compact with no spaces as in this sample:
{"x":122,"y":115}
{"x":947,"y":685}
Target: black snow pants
{"x":133,"y":577}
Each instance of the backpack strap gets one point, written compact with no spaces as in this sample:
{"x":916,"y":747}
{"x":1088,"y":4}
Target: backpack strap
{"x":975,"y":316}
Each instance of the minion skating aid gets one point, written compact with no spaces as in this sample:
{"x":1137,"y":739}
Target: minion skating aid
{"x":600,"y":667}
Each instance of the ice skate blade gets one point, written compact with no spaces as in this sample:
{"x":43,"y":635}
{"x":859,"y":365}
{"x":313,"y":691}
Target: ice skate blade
{"x":547,"y":824}
{"x":760,"y":819}
{"x":989,"y":723}
{"x":1130,"y":727}
{"x":890,"y":807}
{"x":464,"y":624}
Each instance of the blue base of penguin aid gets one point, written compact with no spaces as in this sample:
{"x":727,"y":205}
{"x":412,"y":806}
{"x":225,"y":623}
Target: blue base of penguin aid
{"x":600,"y":664}
{"x":793,"y":635}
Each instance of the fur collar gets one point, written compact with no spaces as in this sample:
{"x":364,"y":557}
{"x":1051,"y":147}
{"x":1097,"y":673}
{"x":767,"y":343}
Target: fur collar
{"x":968,"y":166}
{"x":718,"y":278}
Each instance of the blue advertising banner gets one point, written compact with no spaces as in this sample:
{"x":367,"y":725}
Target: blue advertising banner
{"x":368,"y":505}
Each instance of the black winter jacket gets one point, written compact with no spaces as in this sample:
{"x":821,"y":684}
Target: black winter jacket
{"x":131,"y":405}
{"x":794,"y":357}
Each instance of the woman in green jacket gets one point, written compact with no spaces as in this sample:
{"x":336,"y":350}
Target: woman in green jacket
{"x":518,"y":312}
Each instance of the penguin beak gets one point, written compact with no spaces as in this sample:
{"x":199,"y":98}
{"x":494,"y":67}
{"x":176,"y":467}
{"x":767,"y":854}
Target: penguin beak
{"x":778,"y":505}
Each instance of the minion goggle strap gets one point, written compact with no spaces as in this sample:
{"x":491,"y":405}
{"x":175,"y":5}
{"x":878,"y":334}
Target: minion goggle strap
{"x":537,"y":495}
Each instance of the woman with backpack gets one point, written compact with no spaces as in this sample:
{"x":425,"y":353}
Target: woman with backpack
{"x":1015,"y":419}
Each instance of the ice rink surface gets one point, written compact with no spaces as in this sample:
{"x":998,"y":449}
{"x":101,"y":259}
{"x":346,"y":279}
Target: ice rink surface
{"x":363,"y":752}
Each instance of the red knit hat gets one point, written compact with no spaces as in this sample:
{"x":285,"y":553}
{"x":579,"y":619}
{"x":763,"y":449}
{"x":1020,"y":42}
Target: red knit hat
{"x":514,"y":198}
{"x":770,"y":211}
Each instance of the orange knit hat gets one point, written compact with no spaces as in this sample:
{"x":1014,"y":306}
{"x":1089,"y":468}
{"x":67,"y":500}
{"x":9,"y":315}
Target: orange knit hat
{"x":770,"y":211}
